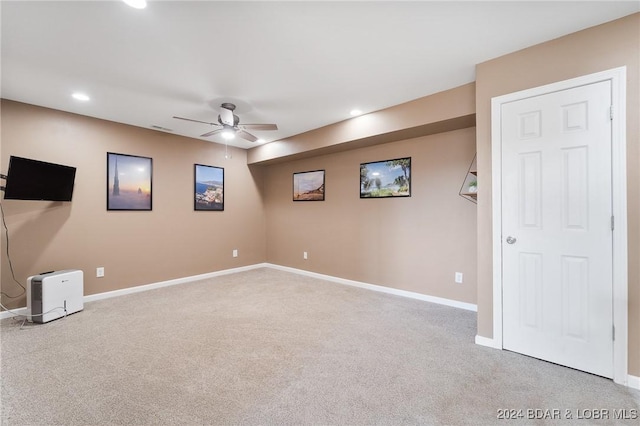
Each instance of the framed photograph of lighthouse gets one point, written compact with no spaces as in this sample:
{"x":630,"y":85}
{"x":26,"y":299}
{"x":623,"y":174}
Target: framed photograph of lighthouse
{"x":129,"y":181}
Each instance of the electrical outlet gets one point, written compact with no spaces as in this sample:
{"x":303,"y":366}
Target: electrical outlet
{"x":304,"y":255}
{"x":458,"y":277}
{"x":235,"y":253}
{"x":100,"y":272}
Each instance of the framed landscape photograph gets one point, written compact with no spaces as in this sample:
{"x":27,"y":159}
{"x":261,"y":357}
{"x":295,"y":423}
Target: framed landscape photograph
{"x":389,"y":178}
{"x":308,"y":186}
{"x":129,"y":180}
{"x":208,"y":188}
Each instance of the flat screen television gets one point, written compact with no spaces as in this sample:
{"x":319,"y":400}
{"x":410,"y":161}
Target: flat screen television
{"x":29,"y":179}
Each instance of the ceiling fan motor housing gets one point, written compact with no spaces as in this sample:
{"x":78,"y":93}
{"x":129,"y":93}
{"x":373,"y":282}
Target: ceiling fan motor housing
{"x":224,"y":120}
{"x":227,"y":116}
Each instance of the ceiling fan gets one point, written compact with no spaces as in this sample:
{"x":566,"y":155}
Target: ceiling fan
{"x":229,"y":125}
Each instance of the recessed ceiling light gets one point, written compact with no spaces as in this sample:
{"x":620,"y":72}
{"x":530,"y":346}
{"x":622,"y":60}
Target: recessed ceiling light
{"x":260,"y":141}
{"x":355,"y":112}
{"x":137,"y":4}
{"x":80,"y":96}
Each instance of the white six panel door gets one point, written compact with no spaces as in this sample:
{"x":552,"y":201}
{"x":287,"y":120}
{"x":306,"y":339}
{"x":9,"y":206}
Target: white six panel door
{"x":556,"y":207}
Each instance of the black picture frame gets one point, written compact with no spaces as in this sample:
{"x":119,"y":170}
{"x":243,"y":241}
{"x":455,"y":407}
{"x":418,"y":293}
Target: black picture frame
{"x":208,"y":188}
{"x":129,"y":182}
{"x":308,"y":186}
{"x":386,"y":179}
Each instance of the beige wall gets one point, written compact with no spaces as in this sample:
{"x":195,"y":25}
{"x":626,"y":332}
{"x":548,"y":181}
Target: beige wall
{"x":596,"y":49}
{"x":414,"y":244}
{"x":136,"y":248}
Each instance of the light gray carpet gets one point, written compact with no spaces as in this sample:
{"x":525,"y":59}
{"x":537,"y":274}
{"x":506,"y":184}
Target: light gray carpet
{"x":273,"y":348}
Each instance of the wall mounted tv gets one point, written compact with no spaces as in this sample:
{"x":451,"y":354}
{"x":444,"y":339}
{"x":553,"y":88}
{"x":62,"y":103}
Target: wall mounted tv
{"x":37,"y":180}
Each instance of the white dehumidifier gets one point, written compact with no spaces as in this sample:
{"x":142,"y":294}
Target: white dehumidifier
{"x":53,"y":295}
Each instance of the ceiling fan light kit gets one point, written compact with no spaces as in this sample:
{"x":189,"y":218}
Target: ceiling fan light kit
{"x":136,"y":4}
{"x":229,"y":125}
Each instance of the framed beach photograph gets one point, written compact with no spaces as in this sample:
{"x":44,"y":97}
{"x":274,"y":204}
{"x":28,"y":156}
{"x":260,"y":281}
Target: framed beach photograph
{"x":308,"y":186}
{"x":208,"y":186}
{"x":129,"y":180}
{"x":389,"y":178}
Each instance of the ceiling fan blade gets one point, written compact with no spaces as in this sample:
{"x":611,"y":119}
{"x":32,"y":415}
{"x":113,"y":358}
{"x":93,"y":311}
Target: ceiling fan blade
{"x":196,"y":121}
{"x":259,"y":126}
{"x":211,"y":133}
{"x":246,"y":135}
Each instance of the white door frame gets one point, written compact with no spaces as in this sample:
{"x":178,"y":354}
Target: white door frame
{"x":618,"y":79}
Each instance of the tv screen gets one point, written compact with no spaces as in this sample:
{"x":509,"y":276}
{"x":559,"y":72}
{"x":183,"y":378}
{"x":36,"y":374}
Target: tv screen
{"x":37,"y":180}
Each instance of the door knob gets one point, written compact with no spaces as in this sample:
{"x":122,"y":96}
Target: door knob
{"x":511,"y":240}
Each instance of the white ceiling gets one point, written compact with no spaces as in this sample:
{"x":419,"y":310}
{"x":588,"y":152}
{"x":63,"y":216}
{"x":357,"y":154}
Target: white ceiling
{"x":302,"y":65}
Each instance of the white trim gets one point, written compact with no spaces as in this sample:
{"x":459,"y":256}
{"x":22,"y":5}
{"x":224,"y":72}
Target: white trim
{"x":496,"y":209}
{"x":619,"y":189}
{"x":146,"y":287}
{"x":152,"y":286}
{"x":633,"y":382}
{"x":379,"y":288}
{"x":138,"y":289}
{"x":485,"y":341}
{"x":13,"y":313}
{"x":617,"y":76}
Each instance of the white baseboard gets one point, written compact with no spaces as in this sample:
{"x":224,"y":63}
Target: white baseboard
{"x":138,"y":289}
{"x":146,"y":287}
{"x":633,"y":382}
{"x":485,"y":341}
{"x":13,"y":313}
{"x":382,"y":289}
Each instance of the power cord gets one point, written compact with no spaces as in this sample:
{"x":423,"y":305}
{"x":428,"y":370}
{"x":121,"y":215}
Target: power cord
{"x":26,"y":317}
{"x":13,"y":275}
{"x":17,"y":314}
